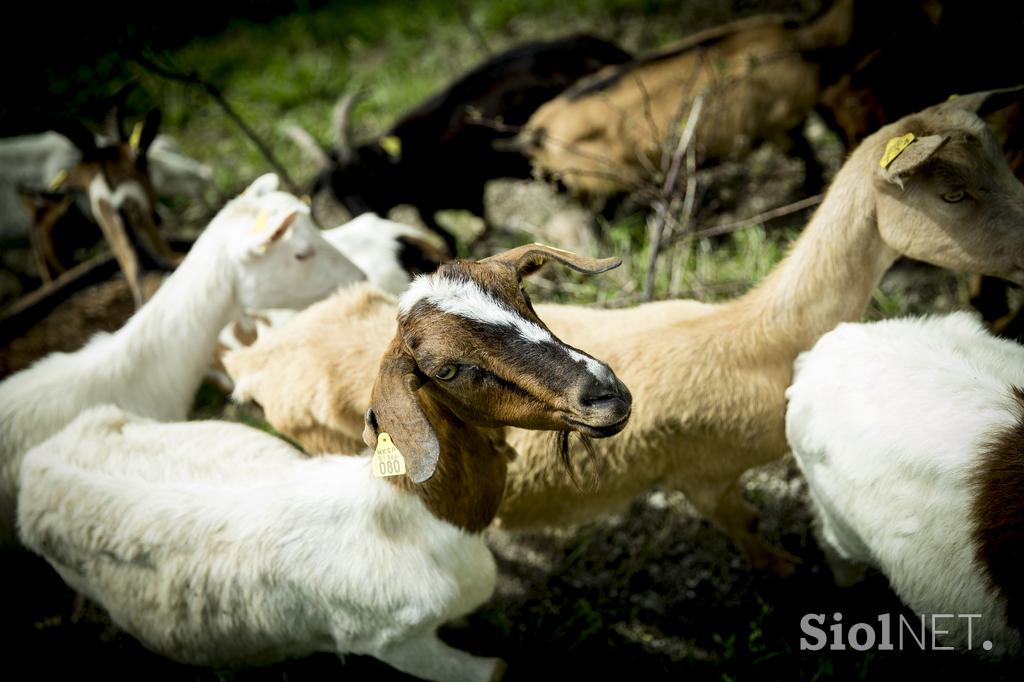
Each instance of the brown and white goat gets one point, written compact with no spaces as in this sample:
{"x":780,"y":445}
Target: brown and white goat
{"x":115,"y":179}
{"x":709,"y":380}
{"x":605,"y":134}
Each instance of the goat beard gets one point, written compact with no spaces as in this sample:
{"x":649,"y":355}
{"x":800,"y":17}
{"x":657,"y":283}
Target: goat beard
{"x":563,"y":448}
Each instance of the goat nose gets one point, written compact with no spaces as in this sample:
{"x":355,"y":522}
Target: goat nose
{"x":605,"y":395}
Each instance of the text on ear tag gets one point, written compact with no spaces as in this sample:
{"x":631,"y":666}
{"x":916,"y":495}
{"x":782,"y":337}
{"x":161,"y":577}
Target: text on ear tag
{"x":136,"y":137}
{"x":894,"y":148}
{"x":58,"y":179}
{"x":387,"y":460}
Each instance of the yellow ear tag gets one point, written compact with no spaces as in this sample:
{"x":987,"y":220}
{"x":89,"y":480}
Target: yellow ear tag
{"x":387,"y":460}
{"x":261,"y":223}
{"x":894,"y":148}
{"x":392,"y":145}
{"x":58,"y":179}
{"x":307,"y":200}
{"x":136,"y":137}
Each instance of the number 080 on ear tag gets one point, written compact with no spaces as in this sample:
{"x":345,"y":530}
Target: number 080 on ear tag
{"x":387,"y":460}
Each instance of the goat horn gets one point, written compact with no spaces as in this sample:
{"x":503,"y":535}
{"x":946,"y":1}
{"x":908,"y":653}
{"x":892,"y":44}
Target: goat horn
{"x":304,"y":141}
{"x":113,"y":123}
{"x":343,"y":125}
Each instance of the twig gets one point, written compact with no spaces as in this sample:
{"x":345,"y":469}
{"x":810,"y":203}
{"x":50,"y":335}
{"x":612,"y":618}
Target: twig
{"x":661,"y":210}
{"x":193,"y":78}
{"x":467,"y":20}
{"x":726,"y":228}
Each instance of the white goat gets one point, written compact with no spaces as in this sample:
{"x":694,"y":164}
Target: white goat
{"x":911,"y":435}
{"x":215,"y":543}
{"x":261,"y":250}
{"x":389,"y":253}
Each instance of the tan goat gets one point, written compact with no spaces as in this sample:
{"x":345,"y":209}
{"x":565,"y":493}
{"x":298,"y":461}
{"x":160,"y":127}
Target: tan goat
{"x":607,"y":132}
{"x":708,"y":380}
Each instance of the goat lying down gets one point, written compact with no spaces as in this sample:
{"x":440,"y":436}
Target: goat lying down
{"x":709,"y":380}
{"x":216,"y":543}
{"x":608,"y":132}
{"x":257,"y":252}
{"x":911,"y":436}
{"x":401,"y":165}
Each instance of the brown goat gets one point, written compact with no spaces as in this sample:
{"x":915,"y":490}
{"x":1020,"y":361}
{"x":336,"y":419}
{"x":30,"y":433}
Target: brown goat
{"x":605,"y":134}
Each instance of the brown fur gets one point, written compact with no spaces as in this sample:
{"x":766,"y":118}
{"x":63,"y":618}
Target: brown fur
{"x":708,"y":380}
{"x":101,"y":308}
{"x":470,"y":478}
{"x":998,"y":513}
{"x":607,"y":133}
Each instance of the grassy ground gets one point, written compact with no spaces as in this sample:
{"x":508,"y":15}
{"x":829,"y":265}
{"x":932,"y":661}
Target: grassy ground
{"x":653,"y":594}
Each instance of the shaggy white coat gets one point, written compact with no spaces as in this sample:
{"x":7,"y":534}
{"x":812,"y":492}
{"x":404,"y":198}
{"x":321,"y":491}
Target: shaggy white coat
{"x":887,"y":421}
{"x":215,"y":543}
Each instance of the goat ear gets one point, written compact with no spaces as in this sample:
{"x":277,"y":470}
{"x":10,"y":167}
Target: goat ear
{"x":395,"y":410}
{"x":910,"y":158}
{"x":77,"y":133}
{"x":266,"y":229}
{"x":150,"y":127}
{"x":264,"y":184}
{"x":984,"y":103}
{"x":529,"y":258}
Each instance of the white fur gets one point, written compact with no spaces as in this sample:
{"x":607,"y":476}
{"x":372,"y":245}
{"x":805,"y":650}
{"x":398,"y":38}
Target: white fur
{"x":369,"y":241}
{"x":173,"y":173}
{"x":154,"y":364}
{"x":372,"y":243}
{"x":466,"y":299}
{"x":215,"y":543}
{"x":99,"y":190}
{"x":887,"y":421}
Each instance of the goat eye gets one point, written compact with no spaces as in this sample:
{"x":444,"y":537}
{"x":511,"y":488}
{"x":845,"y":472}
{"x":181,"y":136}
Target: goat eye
{"x":447,"y":373}
{"x":305,"y":255}
{"x":954,"y":197}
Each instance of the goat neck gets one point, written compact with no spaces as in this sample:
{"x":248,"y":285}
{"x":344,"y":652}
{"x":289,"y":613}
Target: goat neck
{"x":186,"y":314}
{"x":830,"y":272}
{"x":469,"y":482}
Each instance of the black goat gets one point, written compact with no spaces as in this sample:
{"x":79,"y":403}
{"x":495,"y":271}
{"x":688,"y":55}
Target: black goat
{"x":440,"y":154}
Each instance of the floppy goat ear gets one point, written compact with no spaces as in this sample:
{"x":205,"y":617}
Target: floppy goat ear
{"x":530,"y":258}
{"x":395,"y":410}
